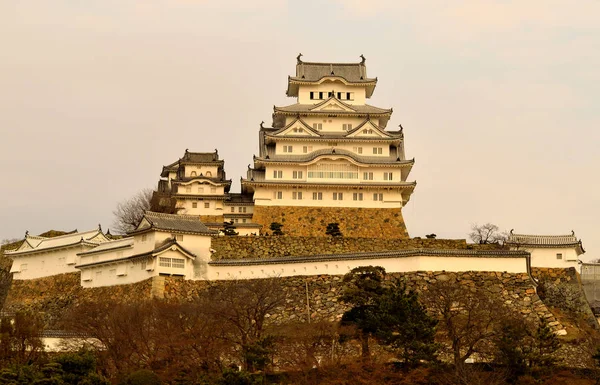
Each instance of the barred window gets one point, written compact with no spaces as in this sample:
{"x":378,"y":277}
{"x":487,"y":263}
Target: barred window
{"x":357,"y":196}
{"x":176,"y":263}
{"x":333,"y":171}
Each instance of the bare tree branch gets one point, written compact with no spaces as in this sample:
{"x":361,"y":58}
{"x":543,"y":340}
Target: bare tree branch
{"x":129,"y":212}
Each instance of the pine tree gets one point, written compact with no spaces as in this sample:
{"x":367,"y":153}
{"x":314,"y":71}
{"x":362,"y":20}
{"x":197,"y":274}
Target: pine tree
{"x":276,"y":228}
{"x":333,"y":229}
{"x":229,"y":228}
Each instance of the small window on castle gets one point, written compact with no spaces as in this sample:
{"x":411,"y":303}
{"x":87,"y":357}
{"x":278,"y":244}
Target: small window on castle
{"x":348,"y":96}
{"x":357,"y":196}
{"x":358,"y":150}
{"x":297,"y":195}
{"x":209,"y":174}
{"x":194,"y":205}
{"x":320,"y":95}
{"x":377,"y":150}
{"x":277,"y":174}
{"x":278,"y":194}
{"x":144,"y":237}
{"x":188,"y":189}
{"x":297,"y":175}
{"x":233,"y":209}
{"x":288,"y":148}
{"x":338,"y":196}
{"x":244,"y":209}
{"x":332,"y":144}
{"x":317,"y":126}
{"x":193,"y":173}
{"x":367,"y":176}
{"x":239,"y":209}
{"x":244,"y":220}
{"x":178,"y":237}
{"x":206,"y":205}
{"x":312,"y":95}
{"x":317,"y":196}
{"x":329,"y":94}
{"x":339,"y":95}
{"x":387,"y":176}
{"x":378,"y":197}
{"x":559,"y":256}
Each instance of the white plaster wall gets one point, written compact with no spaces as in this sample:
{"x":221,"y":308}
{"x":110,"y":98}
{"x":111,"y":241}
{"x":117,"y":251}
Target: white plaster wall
{"x":298,"y":147}
{"x":200,"y":170}
{"x":391,"y":265}
{"x":327,"y":86}
{"x":200,"y":188}
{"x":264,"y":196}
{"x":106,"y":275}
{"x":236,"y":209}
{"x":378,"y":173}
{"x":47,"y":263}
{"x":55,"y":344}
{"x":546,"y":257}
{"x":187,"y":206}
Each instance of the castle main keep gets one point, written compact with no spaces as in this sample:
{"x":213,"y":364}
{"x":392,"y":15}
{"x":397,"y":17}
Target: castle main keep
{"x":326,"y":158}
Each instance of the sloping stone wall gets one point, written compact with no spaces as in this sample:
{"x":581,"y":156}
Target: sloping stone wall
{"x":516,"y":291}
{"x":53,"y":295}
{"x":282,"y":246}
{"x":353,"y":221}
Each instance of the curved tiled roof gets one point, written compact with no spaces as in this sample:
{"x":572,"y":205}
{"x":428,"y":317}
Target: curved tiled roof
{"x":375,"y":255}
{"x":174,"y":222}
{"x":351,"y":72}
{"x":92,"y":238}
{"x":310,"y":109}
{"x":546,"y":241}
{"x":336,"y":151}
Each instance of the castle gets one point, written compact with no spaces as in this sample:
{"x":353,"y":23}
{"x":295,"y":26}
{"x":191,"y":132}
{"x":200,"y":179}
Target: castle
{"x":326,"y":159}
{"x":326,"y":156}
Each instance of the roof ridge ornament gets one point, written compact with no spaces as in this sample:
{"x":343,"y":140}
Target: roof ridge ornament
{"x":26,"y":233}
{"x":363,"y":59}
{"x":262,"y":124}
{"x":99,"y":227}
{"x":298,"y":58}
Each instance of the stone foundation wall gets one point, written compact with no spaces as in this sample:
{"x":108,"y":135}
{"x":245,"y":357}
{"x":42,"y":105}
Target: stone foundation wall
{"x":353,"y":221}
{"x":516,"y":291}
{"x":281,"y":246}
{"x":53,"y":295}
{"x":211,"y":218}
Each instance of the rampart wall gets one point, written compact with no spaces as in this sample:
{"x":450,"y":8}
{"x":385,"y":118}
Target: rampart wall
{"x":283,"y":246}
{"x":353,"y":221}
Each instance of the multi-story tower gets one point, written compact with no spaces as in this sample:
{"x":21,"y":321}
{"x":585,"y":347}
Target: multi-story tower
{"x":197,"y":185}
{"x":328,"y":158}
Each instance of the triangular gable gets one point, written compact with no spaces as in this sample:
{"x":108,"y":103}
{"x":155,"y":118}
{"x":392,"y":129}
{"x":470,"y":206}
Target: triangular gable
{"x":334,"y":105}
{"x":144,"y":224}
{"x":367,"y":129}
{"x":177,"y":248}
{"x":297,"y":128}
{"x":98,"y":237}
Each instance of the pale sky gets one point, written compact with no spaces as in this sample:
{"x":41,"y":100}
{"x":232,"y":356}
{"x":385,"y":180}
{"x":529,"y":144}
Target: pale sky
{"x":498,"y":100}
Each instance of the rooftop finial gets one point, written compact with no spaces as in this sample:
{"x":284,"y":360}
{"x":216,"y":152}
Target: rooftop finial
{"x":262,"y":124}
{"x":298,"y":58}
{"x":401,"y":128}
{"x":511,"y":231}
{"x":99,"y":227}
{"x":26,"y":233}
{"x":186,"y":150}
{"x":363,"y":59}
{"x":573,"y":232}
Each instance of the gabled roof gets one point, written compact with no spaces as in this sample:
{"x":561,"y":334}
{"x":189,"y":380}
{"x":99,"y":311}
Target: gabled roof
{"x":368,"y":124}
{"x":546,"y":241}
{"x":122,"y":243}
{"x":295,"y":122}
{"x":33,"y":244}
{"x":172,"y":222}
{"x":192,"y":158}
{"x":349,"y":73}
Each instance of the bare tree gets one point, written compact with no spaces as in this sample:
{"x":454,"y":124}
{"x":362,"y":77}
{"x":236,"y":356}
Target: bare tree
{"x":486,"y":234}
{"x":129,"y":212}
{"x":468,"y":318}
{"x":242,"y":308}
